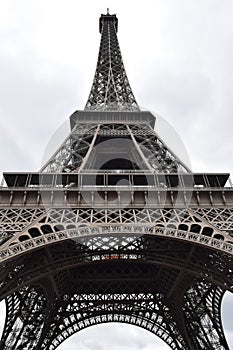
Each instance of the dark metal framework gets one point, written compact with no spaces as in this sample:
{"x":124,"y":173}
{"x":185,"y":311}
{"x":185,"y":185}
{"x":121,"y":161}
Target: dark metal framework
{"x":114,"y":228}
{"x":111,"y":89}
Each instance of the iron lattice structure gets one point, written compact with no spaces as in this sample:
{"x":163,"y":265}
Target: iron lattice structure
{"x":114,"y":227}
{"x":111,"y":89}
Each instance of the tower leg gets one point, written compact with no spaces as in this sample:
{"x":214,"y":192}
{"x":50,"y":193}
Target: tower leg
{"x":24,"y":319}
{"x":202,"y":312}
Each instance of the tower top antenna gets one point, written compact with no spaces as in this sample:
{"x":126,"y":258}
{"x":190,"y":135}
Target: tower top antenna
{"x":108,"y":11}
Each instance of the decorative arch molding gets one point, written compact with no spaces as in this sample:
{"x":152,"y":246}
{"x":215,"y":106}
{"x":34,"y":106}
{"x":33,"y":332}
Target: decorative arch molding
{"x":25,"y":242}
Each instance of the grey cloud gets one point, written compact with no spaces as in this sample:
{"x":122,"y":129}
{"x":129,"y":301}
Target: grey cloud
{"x":115,"y":336}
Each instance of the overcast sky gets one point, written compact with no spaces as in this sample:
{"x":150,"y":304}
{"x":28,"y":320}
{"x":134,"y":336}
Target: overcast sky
{"x":178,"y":56}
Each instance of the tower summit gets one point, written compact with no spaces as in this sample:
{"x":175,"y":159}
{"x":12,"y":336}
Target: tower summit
{"x":111,"y":89}
{"x":114,"y":228}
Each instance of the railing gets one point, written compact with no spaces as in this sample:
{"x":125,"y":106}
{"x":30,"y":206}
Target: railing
{"x":117,"y":178}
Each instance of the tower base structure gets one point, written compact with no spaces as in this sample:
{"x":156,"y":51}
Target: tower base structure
{"x":91,"y":245}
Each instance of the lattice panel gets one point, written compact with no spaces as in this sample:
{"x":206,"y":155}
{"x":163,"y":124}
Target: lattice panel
{"x":71,"y":153}
{"x":203,"y":317}
{"x":113,"y":130}
{"x":13,"y":221}
{"x":59,"y":224}
{"x":220,"y":217}
{"x":25,"y":319}
{"x":157,"y":154}
{"x":16,"y":219}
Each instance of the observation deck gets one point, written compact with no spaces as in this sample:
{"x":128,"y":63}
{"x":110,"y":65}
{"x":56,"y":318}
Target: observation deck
{"x":116,"y":189}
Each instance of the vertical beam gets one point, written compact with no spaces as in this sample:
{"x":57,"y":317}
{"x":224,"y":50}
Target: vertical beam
{"x":84,"y":162}
{"x":139,"y":150}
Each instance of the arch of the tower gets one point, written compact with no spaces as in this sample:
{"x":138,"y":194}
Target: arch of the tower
{"x":113,"y":289}
{"x":26,"y":323}
{"x":87,"y":227}
{"x":164,"y":264}
{"x":170,"y":258}
{"x":107,"y":258}
{"x":147,"y":311}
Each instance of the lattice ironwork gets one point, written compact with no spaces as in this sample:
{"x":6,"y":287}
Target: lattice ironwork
{"x":139,"y":279}
{"x":65,"y":224}
{"x":115,"y":228}
{"x":111,"y":89}
{"x":202,"y":313}
{"x":81,"y":150}
{"x":25,"y":318}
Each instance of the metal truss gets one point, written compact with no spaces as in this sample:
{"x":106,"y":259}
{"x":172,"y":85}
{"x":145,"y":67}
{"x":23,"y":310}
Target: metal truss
{"x":111,"y":89}
{"x":146,"y":243}
{"x":148,"y":151}
{"x":71,"y":153}
{"x":79,"y":311}
{"x":202,"y":313}
{"x":15,"y":220}
{"x":138,"y":279}
{"x":61,"y":224}
{"x":220,"y":217}
{"x":25,"y":318}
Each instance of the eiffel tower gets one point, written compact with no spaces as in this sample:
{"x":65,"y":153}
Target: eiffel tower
{"x":114,"y":228}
